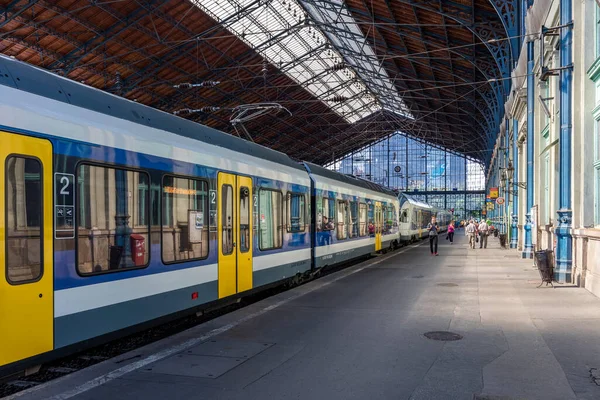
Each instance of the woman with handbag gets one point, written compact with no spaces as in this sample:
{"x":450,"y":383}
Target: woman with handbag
{"x":433,"y":229}
{"x":450,"y":235}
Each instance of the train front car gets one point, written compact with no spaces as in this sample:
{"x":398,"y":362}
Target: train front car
{"x":414,"y":217}
{"x":117,"y":216}
{"x":352,"y":217}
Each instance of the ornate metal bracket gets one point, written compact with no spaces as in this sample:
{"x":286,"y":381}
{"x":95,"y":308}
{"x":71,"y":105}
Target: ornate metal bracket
{"x":552,"y":31}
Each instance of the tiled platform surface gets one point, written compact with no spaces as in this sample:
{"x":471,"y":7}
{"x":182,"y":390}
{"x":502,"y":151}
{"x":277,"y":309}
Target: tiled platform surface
{"x":358,"y":334}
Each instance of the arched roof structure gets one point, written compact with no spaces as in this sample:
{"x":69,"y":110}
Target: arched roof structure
{"x":350,"y":72}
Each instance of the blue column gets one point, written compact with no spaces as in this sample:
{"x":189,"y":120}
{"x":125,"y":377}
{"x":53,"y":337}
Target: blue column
{"x":514,"y":237}
{"x":528,"y":246}
{"x":506,"y":188}
{"x":565,"y":243}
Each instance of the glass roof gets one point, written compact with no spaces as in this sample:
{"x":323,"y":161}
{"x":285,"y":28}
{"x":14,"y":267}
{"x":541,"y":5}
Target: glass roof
{"x":340,"y":70}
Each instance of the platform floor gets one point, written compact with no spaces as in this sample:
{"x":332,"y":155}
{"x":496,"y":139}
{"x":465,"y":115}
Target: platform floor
{"x":358,"y":334}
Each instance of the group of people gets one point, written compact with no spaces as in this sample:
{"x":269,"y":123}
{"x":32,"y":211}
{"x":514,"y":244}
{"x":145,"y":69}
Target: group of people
{"x":477,"y":232}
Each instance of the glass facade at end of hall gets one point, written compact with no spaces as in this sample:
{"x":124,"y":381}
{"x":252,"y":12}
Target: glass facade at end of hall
{"x":428,"y":173}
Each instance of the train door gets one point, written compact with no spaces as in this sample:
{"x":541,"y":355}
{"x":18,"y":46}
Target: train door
{"x":26,"y":282}
{"x":378,"y":223}
{"x":234,"y":233}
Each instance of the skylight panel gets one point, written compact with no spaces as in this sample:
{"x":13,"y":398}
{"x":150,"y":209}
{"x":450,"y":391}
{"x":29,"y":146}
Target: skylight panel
{"x":278,"y":30}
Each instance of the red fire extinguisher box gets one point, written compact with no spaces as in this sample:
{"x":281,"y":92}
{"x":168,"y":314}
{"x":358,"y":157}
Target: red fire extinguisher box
{"x":138,"y":249}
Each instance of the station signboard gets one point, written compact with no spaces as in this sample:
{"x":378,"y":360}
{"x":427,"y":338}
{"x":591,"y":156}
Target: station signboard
{"x":494,"y":193}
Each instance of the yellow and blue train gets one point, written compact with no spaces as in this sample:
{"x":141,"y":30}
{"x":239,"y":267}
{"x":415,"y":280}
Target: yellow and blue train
{"x":115,"y":216}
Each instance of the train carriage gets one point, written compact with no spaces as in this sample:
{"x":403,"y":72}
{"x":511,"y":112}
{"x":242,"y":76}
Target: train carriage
{"x":352,"y":217}
{"x":416,"y":215}
{"x":116,"y":214}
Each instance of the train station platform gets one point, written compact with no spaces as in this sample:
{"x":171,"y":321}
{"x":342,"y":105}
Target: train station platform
{"x":359,"y":334}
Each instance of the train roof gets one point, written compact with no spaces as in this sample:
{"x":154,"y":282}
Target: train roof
{"x":25,"y":77}
{"x":349,"y":179}
{"x":407,"y":198}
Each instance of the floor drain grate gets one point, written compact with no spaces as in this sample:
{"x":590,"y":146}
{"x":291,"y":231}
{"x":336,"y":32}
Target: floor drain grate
{"x":443,"y":336}
{"x":418,"y":276}
{"x":447,"y":284}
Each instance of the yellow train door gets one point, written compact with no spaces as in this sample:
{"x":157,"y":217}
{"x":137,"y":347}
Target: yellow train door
{"x":378,"y":226}
{"x":244,"y":249}
{"x":234,"y":210}
{"x":26,"y":282}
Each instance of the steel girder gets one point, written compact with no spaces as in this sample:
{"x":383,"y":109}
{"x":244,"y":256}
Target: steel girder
{"x":186,"y":50}
{"x":9,"y":7}
{"x":160,"y":63}
{"x":465,"y":17}
{"x":484,"y":67}
{"x":490,"y":101}
{"x":477,"y":106}
{"x":492,"y":31}
{"x":71,"y":59}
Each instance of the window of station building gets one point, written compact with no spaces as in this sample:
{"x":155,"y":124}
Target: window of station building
{"x":24,"y":216}
{"x":184,"y":219}
{"x":295,"y":208}
{"x":353,"y":219}
{"x":112,"y":233}
{"x":342,"y":223}
{"x":363,"y":219}
{"x":270,"y":210}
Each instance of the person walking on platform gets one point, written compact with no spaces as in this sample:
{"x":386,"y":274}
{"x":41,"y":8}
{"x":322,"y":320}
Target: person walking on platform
{"x":433,"y":229}
{"x":470,"y":231}
{"x":451,"y":232}
{"x":483,"y":234}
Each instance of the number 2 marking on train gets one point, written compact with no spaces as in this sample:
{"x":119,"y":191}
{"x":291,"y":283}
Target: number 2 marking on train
{"x":213,"y":197}
{"x":65,"y":182}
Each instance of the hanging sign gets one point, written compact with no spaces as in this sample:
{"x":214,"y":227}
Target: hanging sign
{"x":494,"y":193}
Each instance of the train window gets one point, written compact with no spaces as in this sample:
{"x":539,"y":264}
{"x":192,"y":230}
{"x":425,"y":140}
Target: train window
{"x":112,"y":233}
{"x":328,"y":211}
{"x":244,"y":219}
{"x":379,"y":219}
{"x":184,"y":219}
{"x":342,"y":215}
{"x":353,"y":218}
{"x":295,"y":211}
{"x":363,"y":219}
{"x":270,"y":210}
{"x":24,"y":214}
{"x":389,"y":219}
{"x":227,"y":218}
